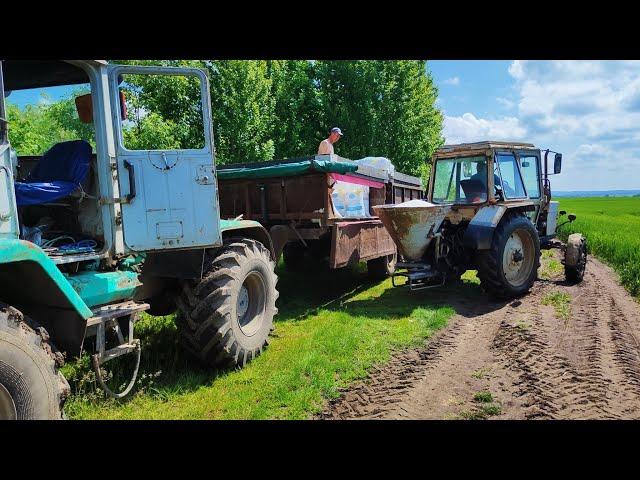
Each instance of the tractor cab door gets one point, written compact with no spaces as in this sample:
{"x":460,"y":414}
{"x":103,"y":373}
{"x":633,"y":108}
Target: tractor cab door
{"x":165,"y":157}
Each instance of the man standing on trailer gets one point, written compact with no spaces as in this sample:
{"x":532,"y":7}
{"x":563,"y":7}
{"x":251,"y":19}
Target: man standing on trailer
{"x":326,"y":145}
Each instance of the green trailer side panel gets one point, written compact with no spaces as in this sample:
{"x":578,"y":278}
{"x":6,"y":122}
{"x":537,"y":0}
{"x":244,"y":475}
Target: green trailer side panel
{"x":14,"y":251}
{"x":286,"y":169}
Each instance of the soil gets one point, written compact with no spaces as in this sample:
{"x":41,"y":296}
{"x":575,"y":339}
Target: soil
{"x":534,"y":363}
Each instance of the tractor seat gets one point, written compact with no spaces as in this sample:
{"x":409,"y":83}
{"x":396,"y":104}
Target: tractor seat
{"x":60,"y":171}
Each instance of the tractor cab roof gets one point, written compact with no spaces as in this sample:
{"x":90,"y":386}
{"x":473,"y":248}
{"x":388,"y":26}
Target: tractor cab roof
{"x":479,"y":148}
{"x":26,"y":74}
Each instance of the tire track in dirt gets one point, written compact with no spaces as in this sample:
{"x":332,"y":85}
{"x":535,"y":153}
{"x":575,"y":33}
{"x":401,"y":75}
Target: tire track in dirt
{"x":535,"y":364}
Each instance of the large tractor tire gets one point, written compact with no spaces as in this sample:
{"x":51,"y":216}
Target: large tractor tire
{"x":225,"y":318}
{"x":575,"y":258}
{"x":510,"y":266}
{"x":31,"y":387}
{"x":382,"y":267}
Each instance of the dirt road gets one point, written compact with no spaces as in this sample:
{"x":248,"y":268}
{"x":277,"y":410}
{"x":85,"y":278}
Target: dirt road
{"x":516,"y":360}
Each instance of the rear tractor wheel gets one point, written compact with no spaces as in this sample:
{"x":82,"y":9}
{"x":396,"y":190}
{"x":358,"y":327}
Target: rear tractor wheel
{"x":225,"y":318}
{"x":509,"y":268}
{"x":31,"y":388}
{"x":575,"y":258}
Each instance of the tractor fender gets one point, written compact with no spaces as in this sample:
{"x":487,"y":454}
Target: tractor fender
{"x":248,"y":229}
{"x":187,"y":264}
{"x":479,"y":232}
{"x":32,"y":282}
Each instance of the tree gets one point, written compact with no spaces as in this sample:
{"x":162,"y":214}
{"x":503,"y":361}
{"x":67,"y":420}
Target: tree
{"x":386,"y":108}
{"x":297,"y":126}
{"x":242,"y":109}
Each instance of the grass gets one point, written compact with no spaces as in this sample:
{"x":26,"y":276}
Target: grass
{"x":331,"y":329}
{"x":486,"y":406}
{"x":483,"y":397}
{"x":612,"y":228}
{"x":549,"y":266}
{"x":561,"y":303}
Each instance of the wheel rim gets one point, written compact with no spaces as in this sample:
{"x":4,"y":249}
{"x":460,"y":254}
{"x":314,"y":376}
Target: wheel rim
{"x":7,"y":406}
{"x":251,"y":302}
{"x":517,"y":258}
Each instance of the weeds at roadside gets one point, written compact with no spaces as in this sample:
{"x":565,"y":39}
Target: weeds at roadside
{"x":486,"y":406}
{"x":481,"y":373}
{"x":561,"y":303}
{"x":483,"y":397}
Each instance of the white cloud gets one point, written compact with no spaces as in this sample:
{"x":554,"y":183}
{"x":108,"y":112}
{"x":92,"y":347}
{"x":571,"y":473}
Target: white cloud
{"x":506,"y":102}
{"x":468,"y":128}
{"x":452,"y":81}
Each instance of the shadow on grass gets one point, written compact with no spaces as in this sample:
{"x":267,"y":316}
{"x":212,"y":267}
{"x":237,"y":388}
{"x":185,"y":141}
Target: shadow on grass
{"x":166,"y":369}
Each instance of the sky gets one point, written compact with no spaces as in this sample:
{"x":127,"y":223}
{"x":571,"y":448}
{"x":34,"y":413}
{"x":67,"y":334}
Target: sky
{"x":587,"y":110}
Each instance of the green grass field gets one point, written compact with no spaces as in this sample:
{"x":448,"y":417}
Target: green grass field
{"x":612,"y":228}
{"x":329,"y":332}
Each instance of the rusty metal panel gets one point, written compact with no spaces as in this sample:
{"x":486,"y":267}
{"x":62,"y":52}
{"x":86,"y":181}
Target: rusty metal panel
{"x":352,"y":242}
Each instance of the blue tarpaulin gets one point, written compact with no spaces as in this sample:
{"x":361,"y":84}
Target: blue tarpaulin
{"x":58,"y":173}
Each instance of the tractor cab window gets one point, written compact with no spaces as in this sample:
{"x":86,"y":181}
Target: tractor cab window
{"x":529,"y":169}
{"x":507,"y":170}
{"x":460,"y":180}
{"x":51,"y":130}
{"x":162,"y":112}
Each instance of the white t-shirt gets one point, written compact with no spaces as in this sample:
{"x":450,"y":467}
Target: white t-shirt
{"x":325,"y":148}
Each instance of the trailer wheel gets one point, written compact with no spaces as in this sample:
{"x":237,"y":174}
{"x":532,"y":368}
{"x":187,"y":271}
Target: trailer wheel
{"x":575,"y":258}
{"x":382,"y":267}
{"x":510,"y":266}
{"x":225,"y":318}
{"x":31,"y":387}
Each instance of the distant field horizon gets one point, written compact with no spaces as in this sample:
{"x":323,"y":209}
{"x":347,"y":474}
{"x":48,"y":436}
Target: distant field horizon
{"x":595,"y":193}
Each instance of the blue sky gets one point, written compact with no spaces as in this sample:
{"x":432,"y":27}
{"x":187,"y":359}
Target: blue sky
{"x":588,"y":110}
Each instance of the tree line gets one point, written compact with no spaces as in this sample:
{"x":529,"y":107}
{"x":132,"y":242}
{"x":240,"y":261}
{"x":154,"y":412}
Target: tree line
{"x":270,"y":109}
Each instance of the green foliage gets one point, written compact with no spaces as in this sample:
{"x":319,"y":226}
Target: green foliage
{"x":386,"y":108}
{"x":280,"y":109}
{"x":36,"y":128}
{"x":611,"y":227}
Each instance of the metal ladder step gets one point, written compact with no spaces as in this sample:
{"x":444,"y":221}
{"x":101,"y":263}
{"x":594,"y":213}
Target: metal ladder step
{"x":110,"y":312}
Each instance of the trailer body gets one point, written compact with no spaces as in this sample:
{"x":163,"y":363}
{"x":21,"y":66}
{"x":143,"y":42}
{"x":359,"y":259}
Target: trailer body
{"x":292,"y":199}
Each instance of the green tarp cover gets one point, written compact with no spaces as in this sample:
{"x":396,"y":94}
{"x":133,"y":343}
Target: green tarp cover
{"x":287,"y":169}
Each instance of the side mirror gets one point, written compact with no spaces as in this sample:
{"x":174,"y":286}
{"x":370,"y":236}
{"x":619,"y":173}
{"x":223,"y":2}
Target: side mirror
{"x":571,"y":217}
{"x":562,"y":212}
{"x":557,"y":163}
{"x":84,"y":108}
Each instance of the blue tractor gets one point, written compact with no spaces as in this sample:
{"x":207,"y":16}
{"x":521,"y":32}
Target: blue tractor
{"x":92,"y":233}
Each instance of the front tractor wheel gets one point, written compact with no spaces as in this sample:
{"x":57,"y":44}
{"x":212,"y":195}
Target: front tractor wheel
{"x":509,"y":268}
{"x":31,"y":388}
{"x":225,"y":318}
{"x":575,"y":258}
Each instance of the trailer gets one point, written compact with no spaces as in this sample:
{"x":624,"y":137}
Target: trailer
{"x":294,"y":199}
